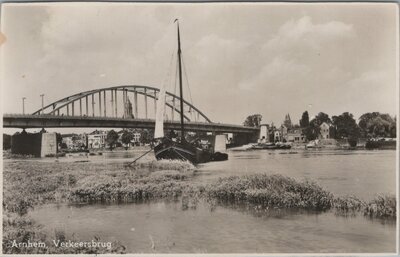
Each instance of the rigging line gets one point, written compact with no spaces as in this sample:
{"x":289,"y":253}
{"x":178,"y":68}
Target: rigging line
{"x":187,"y":80}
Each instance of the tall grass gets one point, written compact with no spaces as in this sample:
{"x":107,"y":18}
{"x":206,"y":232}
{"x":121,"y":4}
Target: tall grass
{"x":267,"y":191}
{"x":383,"y":206}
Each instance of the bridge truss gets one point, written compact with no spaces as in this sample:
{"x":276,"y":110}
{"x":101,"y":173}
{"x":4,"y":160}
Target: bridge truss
{"x":122,"y":102}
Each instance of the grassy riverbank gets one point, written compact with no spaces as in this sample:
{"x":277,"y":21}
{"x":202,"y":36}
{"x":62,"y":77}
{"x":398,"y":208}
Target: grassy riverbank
{"x":30,"y":183}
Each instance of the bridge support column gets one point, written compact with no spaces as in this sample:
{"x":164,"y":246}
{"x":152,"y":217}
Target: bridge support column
{"x":80,"y":106}
{"x":67,"y":109}
{"x":87,"y":106}
{"x":124,"y":102}
{"x":105,"y":103}
{"x":73,"y":108}
{"x":136,"y":104}
{"x":99,"y":103}
{"x":116,"y":103}
{"x":93,"y":105}
{"x":145,"y":102}
{"x":112,"y":103}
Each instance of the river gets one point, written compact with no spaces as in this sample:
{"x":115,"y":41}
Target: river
{"x":164,"y":227}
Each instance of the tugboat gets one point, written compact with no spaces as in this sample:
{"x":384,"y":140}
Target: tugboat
{"x":179,"y":148}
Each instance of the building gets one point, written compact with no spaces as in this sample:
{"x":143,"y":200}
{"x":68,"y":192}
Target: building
{"x":136,"y":138}
{"x":277,"y":136}
{"x":97,"y":139}
{"x":326,"y":131}
{"x":67,"y":140}
{"x":74,"y":141}
{"x":128,"y":109}
{"x":287,"y":122}
{"x":264,"y":133}
{"x":284,"y":132}
{"x":296,"y":136}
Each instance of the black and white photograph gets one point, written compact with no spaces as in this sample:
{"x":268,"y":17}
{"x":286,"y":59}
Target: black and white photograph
{"x":199,"y":128}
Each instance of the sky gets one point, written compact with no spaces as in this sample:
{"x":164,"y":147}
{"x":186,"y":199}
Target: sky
{"x":240,"y":59}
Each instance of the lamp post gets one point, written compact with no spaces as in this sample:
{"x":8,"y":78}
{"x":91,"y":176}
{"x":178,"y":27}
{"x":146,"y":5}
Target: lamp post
{"x":42,"y":96}
{"x":23,"y":105}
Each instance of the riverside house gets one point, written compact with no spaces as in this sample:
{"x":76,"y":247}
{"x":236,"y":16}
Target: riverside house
{"x":326,"y":131}
{"x":97,"y":139}
{"x":296,"y":136}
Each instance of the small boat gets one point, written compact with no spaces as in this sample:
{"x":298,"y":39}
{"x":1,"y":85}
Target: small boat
{"x":179,"y":148}
{"x":271,"y":146}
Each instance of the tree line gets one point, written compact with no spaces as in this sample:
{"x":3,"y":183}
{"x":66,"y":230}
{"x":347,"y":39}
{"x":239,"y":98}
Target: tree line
{"x":370,"y":125}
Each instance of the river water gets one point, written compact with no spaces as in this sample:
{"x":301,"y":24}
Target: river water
{"x":165,"y":227}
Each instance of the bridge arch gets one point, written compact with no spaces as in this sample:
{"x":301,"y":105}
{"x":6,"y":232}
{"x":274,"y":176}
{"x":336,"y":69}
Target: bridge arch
{"x":116,"y":102}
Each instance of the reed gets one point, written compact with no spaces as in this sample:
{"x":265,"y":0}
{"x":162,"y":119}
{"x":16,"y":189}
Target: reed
{"x":382,"y":206}
{"x":268,"y":191}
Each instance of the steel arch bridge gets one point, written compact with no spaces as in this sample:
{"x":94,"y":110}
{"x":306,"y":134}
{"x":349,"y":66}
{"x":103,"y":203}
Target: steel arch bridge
{"x":121,"y":102}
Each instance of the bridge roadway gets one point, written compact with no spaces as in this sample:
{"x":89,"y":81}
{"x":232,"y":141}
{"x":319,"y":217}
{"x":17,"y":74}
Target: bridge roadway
{"x":54,"y":121}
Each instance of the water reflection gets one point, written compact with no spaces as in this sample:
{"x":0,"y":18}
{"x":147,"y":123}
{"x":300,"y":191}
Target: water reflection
{"x":216,"y":229}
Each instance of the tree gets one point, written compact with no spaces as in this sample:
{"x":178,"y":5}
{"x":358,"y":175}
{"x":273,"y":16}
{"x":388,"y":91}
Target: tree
{"x":112,"y":138}
{"x":146,"y":136}
{"x":376,"y":124}
{"x":321,"y":118}
{"x":126,"y":138}
{"x":253,"y":120}
{"x":313,"y":129}
{"x":393,"y":129}
{"x":305,"y":120}
{"x":346,"y":127}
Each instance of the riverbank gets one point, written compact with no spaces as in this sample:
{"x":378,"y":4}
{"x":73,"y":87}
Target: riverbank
{"x":29,"y":184}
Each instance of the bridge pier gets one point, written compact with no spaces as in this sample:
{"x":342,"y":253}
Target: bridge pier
{"x":73,"y":110}
{"x":67,"y":109}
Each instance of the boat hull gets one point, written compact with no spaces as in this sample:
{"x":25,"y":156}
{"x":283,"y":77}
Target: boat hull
{"x":171,"y":150}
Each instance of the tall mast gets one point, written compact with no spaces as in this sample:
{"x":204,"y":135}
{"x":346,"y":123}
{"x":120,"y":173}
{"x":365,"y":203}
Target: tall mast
{"x":180,"y":82}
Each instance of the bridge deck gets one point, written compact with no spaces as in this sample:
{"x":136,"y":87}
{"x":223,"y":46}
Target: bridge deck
{"x":53,"y":121}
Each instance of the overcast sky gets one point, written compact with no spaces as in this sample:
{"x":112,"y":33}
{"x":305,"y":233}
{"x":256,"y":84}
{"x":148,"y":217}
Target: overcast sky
{"x":241,"y":59}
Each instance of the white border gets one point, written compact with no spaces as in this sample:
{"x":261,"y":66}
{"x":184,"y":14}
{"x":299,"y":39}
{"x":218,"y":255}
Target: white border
{"x":242,"y":254}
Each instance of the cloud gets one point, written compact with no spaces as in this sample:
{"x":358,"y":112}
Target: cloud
{"x":306,"y":33}
{"x":293,"y":52}
{"x":275,"y":73}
